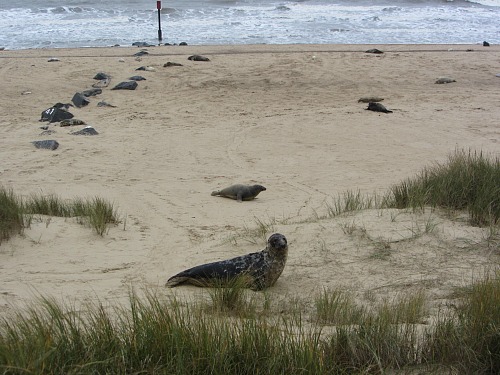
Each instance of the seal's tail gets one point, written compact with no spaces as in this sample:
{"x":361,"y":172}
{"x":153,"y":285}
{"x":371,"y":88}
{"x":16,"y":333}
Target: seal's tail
{"x":175,"y":280}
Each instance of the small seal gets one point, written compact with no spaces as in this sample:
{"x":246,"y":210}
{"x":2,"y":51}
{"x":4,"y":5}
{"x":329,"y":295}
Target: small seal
{"x":71,"y":122}
{"x":442,"y":80}
{"x":374,"y":50}
{"x":240,"y":192}
{"x":377,"y":107}
{"x":198,"y":58}
{"x":368,"y":99}
{"x":259,"y":270}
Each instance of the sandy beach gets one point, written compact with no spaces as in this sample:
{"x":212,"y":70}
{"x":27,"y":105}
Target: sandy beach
{"x":283,"y":116}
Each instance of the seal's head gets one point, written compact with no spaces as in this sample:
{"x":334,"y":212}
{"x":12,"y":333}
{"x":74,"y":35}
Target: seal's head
{"x":277,"y":242}
{"x":258,"y":188}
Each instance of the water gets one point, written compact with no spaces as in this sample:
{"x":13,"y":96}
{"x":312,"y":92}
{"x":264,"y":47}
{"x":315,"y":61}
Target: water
{"x":95,"y":23}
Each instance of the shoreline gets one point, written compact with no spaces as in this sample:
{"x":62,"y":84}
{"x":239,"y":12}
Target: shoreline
{"x":247,"y":48}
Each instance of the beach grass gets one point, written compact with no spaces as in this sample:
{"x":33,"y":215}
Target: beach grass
{"x":11,"y":215}
{"x":154,"y":334}
{"x":469,"y":181}
{"x":16,"y":213}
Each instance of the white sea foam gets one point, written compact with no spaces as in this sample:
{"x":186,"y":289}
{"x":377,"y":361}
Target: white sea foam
{"x":79,"y":23}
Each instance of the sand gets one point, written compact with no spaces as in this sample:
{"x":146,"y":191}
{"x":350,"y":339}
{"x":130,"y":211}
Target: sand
{"x":286,"y":117}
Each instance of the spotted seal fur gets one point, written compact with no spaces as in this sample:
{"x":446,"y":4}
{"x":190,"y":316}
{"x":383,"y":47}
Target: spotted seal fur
{"x":258,"y":270}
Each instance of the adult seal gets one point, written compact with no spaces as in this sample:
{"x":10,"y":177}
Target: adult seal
{"x":258,"y":270}
{"x":240,"y":192}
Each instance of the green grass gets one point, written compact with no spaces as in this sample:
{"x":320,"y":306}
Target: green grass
{"x":469,"y":338}
{"x":16,"y":213}
{"x":160,"y":336}
{"x":11,"y":217}
{"x":468,"y":181}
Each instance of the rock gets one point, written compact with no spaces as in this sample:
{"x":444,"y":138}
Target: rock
{"x":127,"y":85}
{"x":183,"y":44}
{"x":88,"y":130}
{"x":486,"y":44}
{"x":53,"y":59}
{"x":79,"y":100}
{"x":141,"y":53}
{"x":92,"y":92}
{"x":54,"y":114}
{"x":137,"y":78}
{"x":100,"y":76}
{"x":49,"y":144}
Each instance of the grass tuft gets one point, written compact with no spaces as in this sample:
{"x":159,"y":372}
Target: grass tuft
{"x":468,"y":181}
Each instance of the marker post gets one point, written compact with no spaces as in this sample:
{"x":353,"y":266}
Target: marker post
{"x":158,"y":6}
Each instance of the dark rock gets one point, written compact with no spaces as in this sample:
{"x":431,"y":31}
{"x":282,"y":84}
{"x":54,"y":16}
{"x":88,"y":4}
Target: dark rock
{"x":54,"y":114}
{"x":377,"y":107}
{"x":137,"y":78}
{"x":100,"y":76}
{"x":198,"y":58}
{"x":92,"y":92}
{"x":183,"y":44}
{"x":88,"y":130}
{"x":79,"y":100}
{"x":167,"y":64}
{"x":486,"y":44}
{"x":46,"y":127}
{"x":127,"y":85}
{"x":48,"y":144}
{"x":374,"y":50}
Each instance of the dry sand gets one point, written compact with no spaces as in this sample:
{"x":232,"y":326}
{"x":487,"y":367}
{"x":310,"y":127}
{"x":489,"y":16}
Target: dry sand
{"x":286,"y":117}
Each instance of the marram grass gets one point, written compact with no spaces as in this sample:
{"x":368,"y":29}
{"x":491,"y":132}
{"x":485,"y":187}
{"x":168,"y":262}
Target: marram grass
{"x":156,"y":335}
{"x":16,"y":213}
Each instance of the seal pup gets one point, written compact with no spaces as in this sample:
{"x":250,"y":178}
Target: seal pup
{"x":258,"y":270}
{"x":444,"y":80}
{"x":377,"y":107}
{"x":240,"y":192}
{"x":368,"y":99}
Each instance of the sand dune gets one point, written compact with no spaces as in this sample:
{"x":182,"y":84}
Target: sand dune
{"x":286,"y":117}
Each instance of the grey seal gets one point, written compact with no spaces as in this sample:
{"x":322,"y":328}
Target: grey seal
{"x":258,"y":270}
{"x":240,"y":192}
{"x":368,"y":99}
{"x":377,"y":107}
{"x":198,"y":58}
{"x":442,"y":80}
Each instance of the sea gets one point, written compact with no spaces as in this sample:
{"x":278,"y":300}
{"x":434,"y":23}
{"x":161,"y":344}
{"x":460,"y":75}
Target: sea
{"x":97,"y":23}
